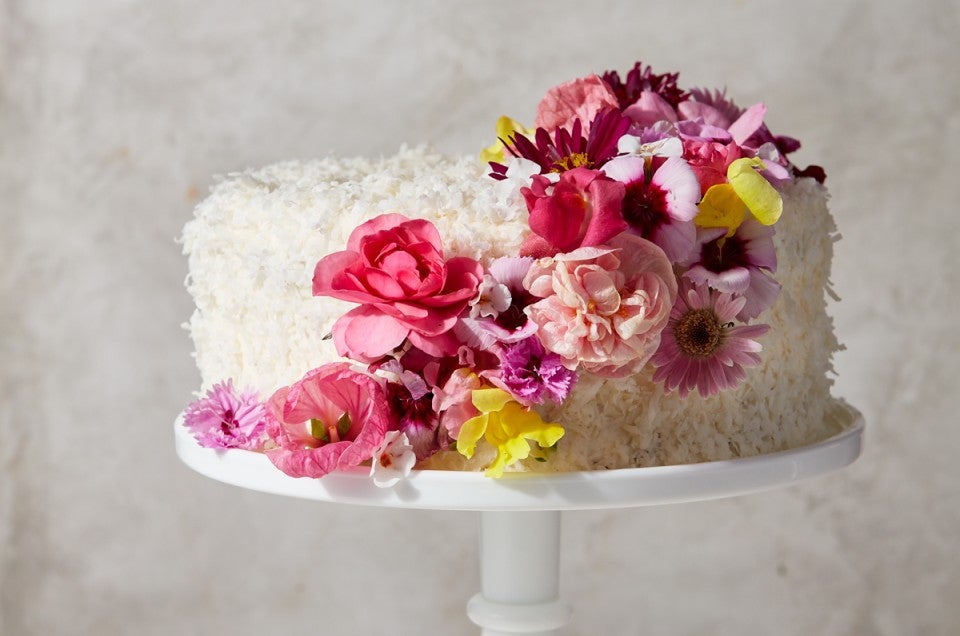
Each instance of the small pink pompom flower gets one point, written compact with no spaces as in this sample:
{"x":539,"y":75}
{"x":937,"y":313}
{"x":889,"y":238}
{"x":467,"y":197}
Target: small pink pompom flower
{"x":225,"y":418}
{"x":700,"y":348}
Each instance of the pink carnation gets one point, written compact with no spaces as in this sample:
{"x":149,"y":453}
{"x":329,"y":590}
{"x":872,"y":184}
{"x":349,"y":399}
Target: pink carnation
{"x":226,"y":418}
{"x":333,"y":418}
{"x":603,"y":307}
{"x":395,"y":268}
{"x":577,"y":99}
{"x":582,"y":209}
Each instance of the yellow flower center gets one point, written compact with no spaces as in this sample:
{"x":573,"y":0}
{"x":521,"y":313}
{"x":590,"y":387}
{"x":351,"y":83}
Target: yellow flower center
{"x":576,"y":160}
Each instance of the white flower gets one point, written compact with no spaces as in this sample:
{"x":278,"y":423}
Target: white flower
{"x":519,"y":173}
{"x":492,"y":298}
{"x":667,"y":147}
{"x":393,"y":459}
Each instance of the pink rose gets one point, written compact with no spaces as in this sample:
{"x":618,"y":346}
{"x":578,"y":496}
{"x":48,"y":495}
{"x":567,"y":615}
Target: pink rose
{"x":333,"y":418}
{"x":603,"y":307}
{"x":395,"y":268}
{"x":577,"y":99}
{"x":582,"y":208}
{"x":710,"y":160}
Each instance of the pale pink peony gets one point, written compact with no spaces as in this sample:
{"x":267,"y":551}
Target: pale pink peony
{"x":395,"y":268}
{"x":603,"y":307}
{"x":579,"y":99}
{"x":333,"y":418}
{"x":581,"y":209}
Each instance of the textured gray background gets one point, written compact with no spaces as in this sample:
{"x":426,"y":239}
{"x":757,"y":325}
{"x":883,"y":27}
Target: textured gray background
{"x":114,"y":115}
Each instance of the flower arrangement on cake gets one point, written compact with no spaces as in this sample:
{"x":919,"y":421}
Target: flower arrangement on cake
{"x":652,"y":211}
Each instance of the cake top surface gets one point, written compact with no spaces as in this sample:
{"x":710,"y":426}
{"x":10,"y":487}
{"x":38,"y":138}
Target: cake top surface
{"x":627,"y":238}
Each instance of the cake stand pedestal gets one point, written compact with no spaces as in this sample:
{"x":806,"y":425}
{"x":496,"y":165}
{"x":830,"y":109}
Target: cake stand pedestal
{"x":521,"y":513}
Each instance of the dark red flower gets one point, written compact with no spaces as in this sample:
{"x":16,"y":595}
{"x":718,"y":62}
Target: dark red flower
{"x":567,"y":150}
{"x":641,"y":78}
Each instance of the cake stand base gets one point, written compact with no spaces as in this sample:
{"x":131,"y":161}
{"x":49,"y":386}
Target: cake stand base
{"x":519,"y":574}
{"x":520,"y":513}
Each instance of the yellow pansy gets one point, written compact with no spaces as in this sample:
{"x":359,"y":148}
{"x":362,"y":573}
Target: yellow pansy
{"x":506,"y":425}
{"x":506,"y":129}
{"x":746,"y":191}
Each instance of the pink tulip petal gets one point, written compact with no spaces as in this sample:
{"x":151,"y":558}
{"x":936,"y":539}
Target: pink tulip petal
{"x":748,"y":123}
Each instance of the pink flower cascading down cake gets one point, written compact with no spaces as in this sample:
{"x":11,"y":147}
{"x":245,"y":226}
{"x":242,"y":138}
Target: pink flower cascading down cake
{"x":638,"y":280}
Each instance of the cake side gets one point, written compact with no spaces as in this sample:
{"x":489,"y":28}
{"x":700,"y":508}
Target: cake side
{"x":256,"y":239}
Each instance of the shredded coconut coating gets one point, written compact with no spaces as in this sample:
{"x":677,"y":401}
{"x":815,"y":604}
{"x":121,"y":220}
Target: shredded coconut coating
{"x":255,"y":241}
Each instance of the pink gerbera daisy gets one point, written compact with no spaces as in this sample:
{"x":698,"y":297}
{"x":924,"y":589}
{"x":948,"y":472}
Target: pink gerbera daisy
{"x":660,"y":201}
{"x":701,"y":348}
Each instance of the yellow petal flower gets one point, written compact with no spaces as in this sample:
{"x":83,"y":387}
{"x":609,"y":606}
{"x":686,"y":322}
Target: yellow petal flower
{"x":761,"y":198}
{"x":721,"y":207}
{"x":727,"y":204}
{"x":506,"y":129}
{"x":507,"y":426}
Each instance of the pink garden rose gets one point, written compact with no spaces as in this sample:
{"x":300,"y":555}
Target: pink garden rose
{"x":579,"y":99}
{"x":333,"y":418}
{"x":603,"y":307}
{"x":710,"y":160}
{"x":581,"y":209}
{"x":395,"y":268}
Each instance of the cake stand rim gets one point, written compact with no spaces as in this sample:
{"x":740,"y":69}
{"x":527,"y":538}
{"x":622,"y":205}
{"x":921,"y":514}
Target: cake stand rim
{"x":613,"y":488}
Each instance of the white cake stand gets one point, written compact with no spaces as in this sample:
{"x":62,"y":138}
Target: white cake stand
{"x":520,"y":513}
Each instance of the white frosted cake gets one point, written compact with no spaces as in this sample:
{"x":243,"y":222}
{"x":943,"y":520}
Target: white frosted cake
{"x":641,"y":283}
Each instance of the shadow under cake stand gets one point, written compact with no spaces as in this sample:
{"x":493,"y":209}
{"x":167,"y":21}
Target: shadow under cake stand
{"x":520,"y":513}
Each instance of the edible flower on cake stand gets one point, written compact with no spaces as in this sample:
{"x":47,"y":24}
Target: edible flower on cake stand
{"x":227,"y":418}
{"x":701,"y":348}
{"x":507,"y":426}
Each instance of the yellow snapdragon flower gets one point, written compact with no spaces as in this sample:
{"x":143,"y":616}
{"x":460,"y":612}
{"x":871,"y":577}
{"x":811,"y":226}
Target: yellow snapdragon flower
{"x":506,"y":425}
{"x":727,"y":204}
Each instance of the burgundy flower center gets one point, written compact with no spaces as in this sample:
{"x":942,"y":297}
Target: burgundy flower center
{"x":698,"y":333}
{"x":228,"y":422}
{"x":723,"y":254}
{"x":644,"y":208}
{"x":513,"y":318}
{"x":411,"y":412}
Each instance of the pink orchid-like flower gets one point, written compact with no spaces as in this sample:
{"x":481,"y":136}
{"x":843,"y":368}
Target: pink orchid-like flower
{"x":332,"y":418}
{"x":603,"y":307}
{"x":579,"y":99}
{"x":582,"y":209}
{"x":740,"y":264}
{"x":701,"y":348}
{"x":226,"y":418}
{"x":453,"y":400}
{"x":395,"y":268}
{"x":660,"y":201}
{"x":497,"y":315}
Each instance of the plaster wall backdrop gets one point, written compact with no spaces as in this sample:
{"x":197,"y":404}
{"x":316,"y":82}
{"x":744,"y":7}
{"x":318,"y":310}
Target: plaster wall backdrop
{"x":115,"y":115}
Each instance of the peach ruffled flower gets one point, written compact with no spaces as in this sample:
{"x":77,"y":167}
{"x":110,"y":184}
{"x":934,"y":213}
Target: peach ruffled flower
{"x":581,"y":99}
{"x":603,"y":307}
